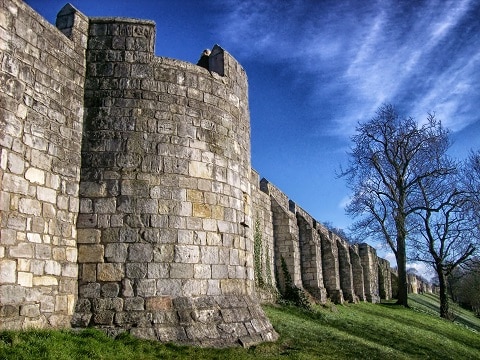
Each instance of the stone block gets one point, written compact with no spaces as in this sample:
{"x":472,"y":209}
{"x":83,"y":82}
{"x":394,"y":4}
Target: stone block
{"x":22,"y":250}
{"x":110,"y":290}
{"x":93,"y":189}
{"x":126,"y":235}
{"x":194,"y":287}
{"x":181,"y":271}
{"x":46,"y":280}
{"x":127,"y":288}
{"x":102,"y":304}
{"x":187,"y":254}
{"x":88,"y":236}
{"x":146,"y":287}
{"x":134,"y":303}
{"x":35,"y":176}
{"x":201,"y":210}
{"x":30,"y":310}
{"x":140,"y":252}
{"x":105,"y":206}
{"x":110,"y":272}
{"x":70,"y":270}
{"x":30,"y":207}
{"x":209,"y":255}
{"x":71,"y":254}
{"x":43,"y":251}
{"x":16,"y":164}
{"x":169,"y":287}
{"x":46,"y":194}
{"x":219,"y":271}
{"x":49,"y":210}
{"x":8,"y":271}
{"x":213,"y":287}
{"x":53,"y":267}
{"x":116,"y":252}
{"x":136,"y":270}
{"x":202,"y":271}
{"x":200,"y":170}
{"x":14,"y":184}
{"x":90,"y":290}
{"x":61,"y":303}
{"x":104,"y":317}
{"x":36,"y":267}
{"x":86,"y":220}
{"x":157,"y":270}
{"x":158,"y":303}
{"x":90,"y":253}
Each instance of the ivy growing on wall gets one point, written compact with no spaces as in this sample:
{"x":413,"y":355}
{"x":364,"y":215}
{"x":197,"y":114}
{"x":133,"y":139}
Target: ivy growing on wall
{"x":293,"y":294}
{"x":258,"y":254}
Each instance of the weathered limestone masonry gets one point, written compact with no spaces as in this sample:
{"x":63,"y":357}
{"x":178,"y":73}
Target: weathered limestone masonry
{"x":417,"y":285}
{"x":165,"y":234}
{"x":317,"y":260}
{"x":264,"y":242}
{"x":41,"y":107}
{"x":369,"y":259}
{"x":311,"y":254}
{"x":384,"y":279}
{"x":128,"y":201}
{"x":165,"y":229}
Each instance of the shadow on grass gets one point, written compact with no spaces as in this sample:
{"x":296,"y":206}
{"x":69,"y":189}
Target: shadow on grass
{"x":431,"y":303}
{"x":394,"y":331}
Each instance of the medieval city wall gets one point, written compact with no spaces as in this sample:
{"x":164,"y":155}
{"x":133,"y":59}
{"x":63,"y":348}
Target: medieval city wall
{"x":316,"y":259}
{"x":128,"y":201}
{"x":42,"y":76}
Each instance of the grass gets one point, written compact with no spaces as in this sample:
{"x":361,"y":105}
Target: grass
{"x":429,"y":303}
{"x":361,"y":331}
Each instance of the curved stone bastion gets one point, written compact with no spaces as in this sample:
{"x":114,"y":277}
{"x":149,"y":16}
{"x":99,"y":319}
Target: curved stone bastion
{"x":164,"y":229}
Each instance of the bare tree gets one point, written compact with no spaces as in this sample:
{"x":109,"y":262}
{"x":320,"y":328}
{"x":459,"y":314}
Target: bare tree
{"x":471,"y":182}
{"x":447,"y":232}
{"x":390,"y":158}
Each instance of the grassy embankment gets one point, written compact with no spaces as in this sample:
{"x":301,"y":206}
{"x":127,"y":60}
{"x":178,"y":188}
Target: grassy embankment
{"x":362,"y":331}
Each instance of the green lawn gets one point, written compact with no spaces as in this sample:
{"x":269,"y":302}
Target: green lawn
{"x":429,"y":303}
{"x":361,"y":331}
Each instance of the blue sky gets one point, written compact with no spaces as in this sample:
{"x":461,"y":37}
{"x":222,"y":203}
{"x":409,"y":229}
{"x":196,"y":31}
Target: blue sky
{"x":316,"y":68}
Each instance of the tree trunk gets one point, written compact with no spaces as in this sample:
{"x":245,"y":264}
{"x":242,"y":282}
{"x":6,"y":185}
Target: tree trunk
{"x":402,"y":278}
{"x":444,"y":301}
{"x":401,"y":256}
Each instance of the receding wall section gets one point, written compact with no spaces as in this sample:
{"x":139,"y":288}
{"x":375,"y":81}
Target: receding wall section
{"x":313,"y":258}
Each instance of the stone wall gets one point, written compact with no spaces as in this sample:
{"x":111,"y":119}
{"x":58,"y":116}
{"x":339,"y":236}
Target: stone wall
{"x":317,"y":260}
{"x":41,"y":107}
{"x":128,"y":201}
{"x":369,"y":260}
{"x":264,"y":242}
{"x":165,"y":227}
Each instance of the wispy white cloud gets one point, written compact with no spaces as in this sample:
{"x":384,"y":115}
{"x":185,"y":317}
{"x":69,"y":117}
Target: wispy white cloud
{"x":368,"y":53}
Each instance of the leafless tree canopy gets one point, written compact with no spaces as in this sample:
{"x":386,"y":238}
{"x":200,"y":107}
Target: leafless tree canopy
{"x":390,"y":160}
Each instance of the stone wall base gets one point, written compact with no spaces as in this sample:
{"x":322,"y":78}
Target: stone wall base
{"x":218,"y":321}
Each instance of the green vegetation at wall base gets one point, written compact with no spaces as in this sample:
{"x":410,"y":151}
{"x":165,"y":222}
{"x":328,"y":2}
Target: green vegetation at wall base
{"x":360,"y":331}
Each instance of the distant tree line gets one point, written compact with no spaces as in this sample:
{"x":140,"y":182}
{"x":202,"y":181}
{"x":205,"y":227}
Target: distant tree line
{"x":465,"y":285}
